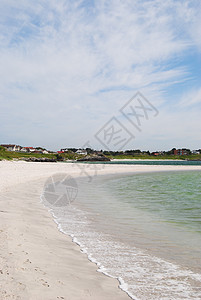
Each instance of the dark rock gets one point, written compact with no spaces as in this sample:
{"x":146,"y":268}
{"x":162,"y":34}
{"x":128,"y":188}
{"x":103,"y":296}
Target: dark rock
{"x":94,"y":158}
{"x":41,"y":159}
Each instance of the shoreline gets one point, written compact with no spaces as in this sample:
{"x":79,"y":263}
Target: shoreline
{"x":122,"y":285}
{"x":145,"y":159}
{"x":38,"y":261}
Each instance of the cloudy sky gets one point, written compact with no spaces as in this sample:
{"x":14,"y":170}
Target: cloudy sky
{"x":68,"y":67}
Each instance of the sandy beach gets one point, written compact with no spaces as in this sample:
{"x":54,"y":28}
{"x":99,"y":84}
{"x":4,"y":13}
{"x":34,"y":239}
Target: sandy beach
{"x":37,"y":261}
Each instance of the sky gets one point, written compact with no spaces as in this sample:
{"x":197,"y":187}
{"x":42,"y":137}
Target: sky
{"x":110,"y":74}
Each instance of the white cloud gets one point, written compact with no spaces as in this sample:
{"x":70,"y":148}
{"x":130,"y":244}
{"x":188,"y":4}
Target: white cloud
{"x":190,"y":98}
{"x":57,"y":58}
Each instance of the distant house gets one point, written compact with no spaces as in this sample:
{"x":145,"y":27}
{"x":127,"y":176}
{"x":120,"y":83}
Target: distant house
{"x":66,"y":150}
{"x":17,"y":148}
{"x":180,"y":152}
{"x":196,"y":151}
{"x":23,"y":149}
{"x":10,"y":147}
{"x":30,"y":149}
{"x":157,"y":153}
{"x":63,"y":150}
{"x":81,"y":151}
{"x":41,"y":150}
{"x":45,"y":151}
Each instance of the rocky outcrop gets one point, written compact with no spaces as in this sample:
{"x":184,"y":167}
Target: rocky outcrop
{"x":94,"y":158}
{"x":41,"y":159}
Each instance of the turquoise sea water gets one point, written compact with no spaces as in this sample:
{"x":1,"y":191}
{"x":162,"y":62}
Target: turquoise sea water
{"x":165,"y":207}
{"x":151,"y":162}
{"x":144,"y":229}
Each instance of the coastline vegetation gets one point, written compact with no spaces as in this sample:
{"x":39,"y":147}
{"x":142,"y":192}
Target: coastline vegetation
{"x":159,"y":157}
{"x":13,"y":155}
{"x":71,"y":155}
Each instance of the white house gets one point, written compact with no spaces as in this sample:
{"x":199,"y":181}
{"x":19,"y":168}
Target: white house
{"x":30,"y":149}
{"x":10,"y":147}
{"x":81,"y":151}
{"x":45,"y":151}
{"x":23,"y":149}
{"x":196,"y":152}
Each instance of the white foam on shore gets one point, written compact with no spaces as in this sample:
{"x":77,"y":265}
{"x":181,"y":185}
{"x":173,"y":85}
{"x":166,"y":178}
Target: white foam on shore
{"x":122,"y":285}
{"x":138,"y":273}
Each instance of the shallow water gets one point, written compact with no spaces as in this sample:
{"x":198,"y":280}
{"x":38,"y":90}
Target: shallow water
{"x":144,"y":229}
{"x":153,"y":162}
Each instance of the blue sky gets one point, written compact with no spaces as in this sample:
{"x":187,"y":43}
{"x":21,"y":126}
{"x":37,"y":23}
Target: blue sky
{"x":67,"y":67}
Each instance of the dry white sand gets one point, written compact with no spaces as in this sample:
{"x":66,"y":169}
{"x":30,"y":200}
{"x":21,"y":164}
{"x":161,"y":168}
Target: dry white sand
{"x":36,"y":260}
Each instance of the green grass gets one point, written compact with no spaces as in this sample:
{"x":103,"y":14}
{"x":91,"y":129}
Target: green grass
{"x":10,"y":155}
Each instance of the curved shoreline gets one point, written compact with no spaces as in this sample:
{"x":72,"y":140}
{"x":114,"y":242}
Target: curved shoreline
{"x":38,"y":262}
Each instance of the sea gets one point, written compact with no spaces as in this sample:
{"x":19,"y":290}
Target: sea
{"x":142,"y":229}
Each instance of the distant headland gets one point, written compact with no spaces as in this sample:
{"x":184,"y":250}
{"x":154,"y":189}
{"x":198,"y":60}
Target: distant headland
{"x":40,"y":154}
